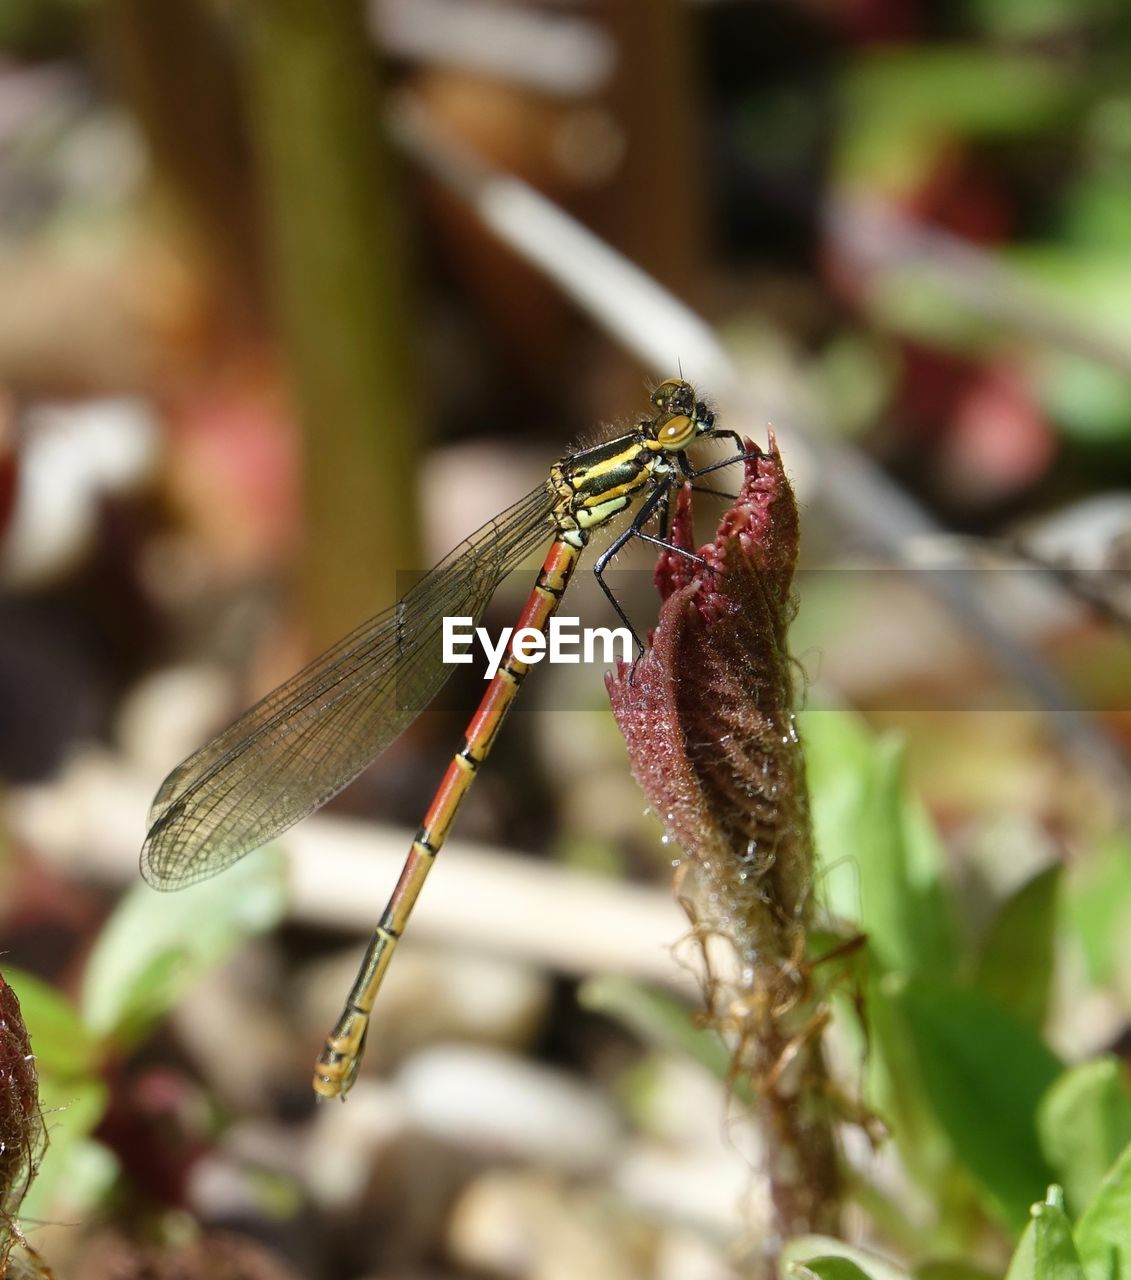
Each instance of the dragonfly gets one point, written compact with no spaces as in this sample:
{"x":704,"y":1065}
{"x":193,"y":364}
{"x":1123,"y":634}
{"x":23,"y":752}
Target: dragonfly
{"x":304,"y":742}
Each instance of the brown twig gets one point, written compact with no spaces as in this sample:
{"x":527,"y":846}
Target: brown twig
{"x":330,"y":200}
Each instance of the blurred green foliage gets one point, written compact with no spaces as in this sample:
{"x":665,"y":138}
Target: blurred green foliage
{"x":899,"y":103}
{"x":981,"y":1110}
{"x":150,"y":952}
{"x":983,"y":1114}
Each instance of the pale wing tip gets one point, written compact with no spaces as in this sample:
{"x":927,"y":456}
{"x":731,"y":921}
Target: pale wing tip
{"x":170,"y":859}
{"x":160,"y":854}
{"x":153,"y":864}
{"x":177,"y":853}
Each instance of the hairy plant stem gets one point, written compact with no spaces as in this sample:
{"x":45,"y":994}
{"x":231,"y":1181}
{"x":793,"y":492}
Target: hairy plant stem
{"x":707,"y":715}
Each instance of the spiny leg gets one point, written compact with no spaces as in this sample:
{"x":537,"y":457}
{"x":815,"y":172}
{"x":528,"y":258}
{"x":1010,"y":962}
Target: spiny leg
{"x":714,"y":493}
{"x":665,"y":513}
{"x":693,"y":473}
{"x":647,"y":508}
{"x":657,"y":499}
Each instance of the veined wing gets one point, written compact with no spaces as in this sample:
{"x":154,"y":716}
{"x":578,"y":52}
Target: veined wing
{"x":314,"y":734}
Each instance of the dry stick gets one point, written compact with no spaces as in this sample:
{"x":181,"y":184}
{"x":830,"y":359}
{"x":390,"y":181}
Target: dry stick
{"x":879,"y":238}
{"x":560,"y":55}
{"x":87,"y":824}
{"x":647,"y":319}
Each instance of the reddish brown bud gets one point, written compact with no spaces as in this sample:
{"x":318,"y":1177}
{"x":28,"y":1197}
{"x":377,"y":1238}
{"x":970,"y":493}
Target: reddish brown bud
{"x":708,"y":717}
{"x":707,"y":713}
{"x":23,"y":1137}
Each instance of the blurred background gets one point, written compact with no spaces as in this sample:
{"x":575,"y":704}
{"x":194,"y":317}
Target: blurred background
{"x":292,"y":298}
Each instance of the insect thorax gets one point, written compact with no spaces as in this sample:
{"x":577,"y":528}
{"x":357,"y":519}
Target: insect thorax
{"x":593,"y":486}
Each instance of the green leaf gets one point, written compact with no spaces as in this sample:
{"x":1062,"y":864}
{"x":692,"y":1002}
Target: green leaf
{"x":1095,"y":207}
{"x":895,"y":1088}
{"x":71,"y":1095}
{"x":1016,"y":964}
{"x":1098,"y":908}
{"x":900,"y":104}
{"x":879,"y":853}
{"x":1030,"y":19}
{"x":834,"y":1260}
{"x":1103,"y":1234}
{"x":829,"y":1267}
{"x":984,"y":1073}
{"x":64,"y":1049}
{"x":912,"y":300}
{"x":956,"y":87}
{"x":1046,"y":1250}
{"x":1090,"y":403}
{"x":72,"y":1109}
{"x":156,"y":945}
{"x":1084,"y":1122}
{"x":951,"y":1269}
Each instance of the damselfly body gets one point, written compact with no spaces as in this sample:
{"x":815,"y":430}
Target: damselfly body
{"x":305,"y":741}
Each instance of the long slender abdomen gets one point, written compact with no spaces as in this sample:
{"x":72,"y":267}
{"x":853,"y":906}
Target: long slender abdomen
{"x":338,"y":1062}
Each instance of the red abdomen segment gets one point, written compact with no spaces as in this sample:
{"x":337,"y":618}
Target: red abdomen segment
{"x":338,"y":1062}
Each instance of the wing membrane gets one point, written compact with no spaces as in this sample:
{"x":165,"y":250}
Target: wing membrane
{"x":305,"y":741}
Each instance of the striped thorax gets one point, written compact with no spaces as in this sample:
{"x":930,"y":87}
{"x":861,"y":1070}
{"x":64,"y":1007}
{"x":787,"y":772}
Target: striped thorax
{"x":593,"y":485}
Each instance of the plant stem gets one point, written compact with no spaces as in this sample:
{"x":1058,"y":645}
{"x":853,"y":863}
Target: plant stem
{"x":330,"y":208}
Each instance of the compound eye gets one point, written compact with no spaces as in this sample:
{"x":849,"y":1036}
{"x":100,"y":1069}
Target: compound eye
{"x":664,"y":393}
{"x":677,"y":432}
{"x":674,"y":396}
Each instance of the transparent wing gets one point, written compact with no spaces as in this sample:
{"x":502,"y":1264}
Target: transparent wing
{"x":314,"y":734}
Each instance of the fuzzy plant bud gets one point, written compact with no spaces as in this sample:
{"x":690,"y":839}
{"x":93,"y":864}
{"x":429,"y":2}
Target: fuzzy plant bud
{"x":708,"y":717}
